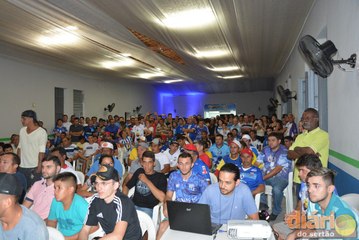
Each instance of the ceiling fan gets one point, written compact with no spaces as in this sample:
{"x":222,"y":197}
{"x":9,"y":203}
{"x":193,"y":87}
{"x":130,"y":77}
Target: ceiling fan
{"x":285,"y":94}
{"x":319,"y":56}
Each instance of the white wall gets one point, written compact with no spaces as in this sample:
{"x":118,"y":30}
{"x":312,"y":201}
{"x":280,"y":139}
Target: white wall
{"x":25,"y":86}
{"x":341,"y":19}
{"x":255,"y":102}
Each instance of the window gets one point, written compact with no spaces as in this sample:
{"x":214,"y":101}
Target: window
{"x":78,"y":103}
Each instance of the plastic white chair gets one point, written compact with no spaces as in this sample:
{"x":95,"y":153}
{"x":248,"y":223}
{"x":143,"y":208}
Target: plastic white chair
{"x":81,"y":176}
{"x":352,"y":199}
{"x":55,"y":234}
{"x":288,"y":194}
{"x":131,"y":192}
{"x":146,"y":225}
{"x":257,"y":200}
{"x":157,"y":215}
{"x":213,"y":178}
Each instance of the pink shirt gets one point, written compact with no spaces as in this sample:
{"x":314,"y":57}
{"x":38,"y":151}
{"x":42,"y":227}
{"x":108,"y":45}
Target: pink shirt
{"x":41,"y":197}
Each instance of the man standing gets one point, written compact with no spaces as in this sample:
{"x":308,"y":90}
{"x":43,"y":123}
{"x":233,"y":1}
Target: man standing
{"x":275,"y":170}
{"x":76,"y":130}
{"x":111,"y":208}
{"x":229,"y":199}
{"x":16,"y":221}
{"x":32,"y":146}
{"x":312,"y":141}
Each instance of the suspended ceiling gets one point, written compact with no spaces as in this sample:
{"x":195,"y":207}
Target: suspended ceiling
{"x":135,"y":40}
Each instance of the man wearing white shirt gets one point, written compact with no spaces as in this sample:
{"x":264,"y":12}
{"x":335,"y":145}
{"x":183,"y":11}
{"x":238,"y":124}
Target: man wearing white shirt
{"x":172,"y":154}
{"x":160,"y":156}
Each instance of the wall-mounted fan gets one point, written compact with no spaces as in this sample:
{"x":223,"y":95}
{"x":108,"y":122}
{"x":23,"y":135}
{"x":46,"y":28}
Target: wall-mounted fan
{"x":285,"y":94}
{"x":137,"y":109}
{"x":319,"y":56}
{"x":110,"y":107}
{"x":274,"y":102}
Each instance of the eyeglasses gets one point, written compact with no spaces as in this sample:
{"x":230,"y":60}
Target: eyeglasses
{"x":103,"y":184}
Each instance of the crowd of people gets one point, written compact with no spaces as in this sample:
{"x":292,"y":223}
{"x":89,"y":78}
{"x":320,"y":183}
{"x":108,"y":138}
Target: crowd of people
{"x":224,"y":162}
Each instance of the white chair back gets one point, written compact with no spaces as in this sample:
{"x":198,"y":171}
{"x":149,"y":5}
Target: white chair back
{"x":81,"y":176}
{"x":55,"y":234}
{"x":131,"y":192}
{"x":146,"y":224}
{"x":352,"y":199}
{"x":213,"y":178}
{"x":288,"y":194}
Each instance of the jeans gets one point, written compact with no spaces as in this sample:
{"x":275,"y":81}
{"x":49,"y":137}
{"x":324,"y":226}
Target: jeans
{"x":278,"y":185}
{"x":148,"y":211}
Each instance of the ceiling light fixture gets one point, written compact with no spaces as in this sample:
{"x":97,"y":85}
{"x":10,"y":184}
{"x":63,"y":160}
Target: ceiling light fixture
{"x":211,"y":53}
{"x":64,"y":36}
{"x":116,"y":64}
{"x":230,"y":77}
{"x":188,"y":19}
{"x":150,"y":75}
{"x":225,"y":69}
{"x":173,"y":81}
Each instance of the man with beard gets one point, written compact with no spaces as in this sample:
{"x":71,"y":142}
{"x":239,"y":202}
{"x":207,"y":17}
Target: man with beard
{"x":41,"y":193}
{"x":229,"y":199}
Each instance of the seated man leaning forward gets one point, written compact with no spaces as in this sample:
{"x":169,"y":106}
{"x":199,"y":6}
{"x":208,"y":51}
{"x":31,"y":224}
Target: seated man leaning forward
{"x":110,"y":208}
{"x":229,"y":199}
{"x":16,"y":221}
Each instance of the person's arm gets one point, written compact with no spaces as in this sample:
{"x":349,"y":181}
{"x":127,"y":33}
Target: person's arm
{"x":73,"y":237}
{"x":27,"y":203}
{"x":51,"y":223}
{"x":298,"y":152}
{"x":168,"y":197}
{"x":39,"y":160}
{"x":259,"y":189}
{"x":166,"y":168}
{"x":127,"y":179}
{"x":272,"y":173}
{"x":118,"y":233}
{"x":84,"y":233}
{"x":154,"y":190}
{"x":253,"y":216}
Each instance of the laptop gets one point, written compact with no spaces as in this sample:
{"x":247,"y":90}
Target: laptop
{"x":191,"y":217}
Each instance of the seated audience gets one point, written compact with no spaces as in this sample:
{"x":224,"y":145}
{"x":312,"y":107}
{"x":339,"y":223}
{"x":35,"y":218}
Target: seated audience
{"x":150,"y":186}
{"x":16,"y":221}
{"x":110,"y":208}
{"x":68,"y":210}
{"x":41,"y":194}
{"x":229,"y":199}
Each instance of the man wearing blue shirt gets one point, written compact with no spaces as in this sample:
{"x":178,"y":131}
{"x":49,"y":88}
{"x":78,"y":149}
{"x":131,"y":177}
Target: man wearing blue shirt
{"x":218,"y":150}
{"x":275,"y":170}
{"x":229,"y":199}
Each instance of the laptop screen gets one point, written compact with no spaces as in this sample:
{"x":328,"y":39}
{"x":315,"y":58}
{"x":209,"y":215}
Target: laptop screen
{"x":190,"y":217}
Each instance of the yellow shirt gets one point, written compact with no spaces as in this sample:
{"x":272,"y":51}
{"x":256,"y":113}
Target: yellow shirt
{"x":318,"y":141}
{"x":133,"y":154}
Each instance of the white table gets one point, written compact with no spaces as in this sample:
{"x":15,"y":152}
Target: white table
{"x":180,"y":235}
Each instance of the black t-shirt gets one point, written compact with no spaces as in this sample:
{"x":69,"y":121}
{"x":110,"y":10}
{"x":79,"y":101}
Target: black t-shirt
{"x":120,"y":209}
{"x":76,"y":128}
{"x":143,"y":196}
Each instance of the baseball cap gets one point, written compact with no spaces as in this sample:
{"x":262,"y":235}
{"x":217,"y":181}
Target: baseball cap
{"x":107,"y":145}
{"x":9,"y":184}
{"x":107,"y":172}
{"x":235,"y":141}
{"x":246,"y":136}
{"x":142,"y":144}
{"x":156,"y":141}
{"x":247,"y":151}
{"x":190,"y":147}
{"x":174,"y":142}
{"x":30,"y":114}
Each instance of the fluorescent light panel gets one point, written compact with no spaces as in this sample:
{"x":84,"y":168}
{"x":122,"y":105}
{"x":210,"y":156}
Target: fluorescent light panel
{"x":173,"y":81}
{"x":59,"y":36}
{"x":211,"y":53}
{"x":150,"y":75}
{"x":230,"y":77}
{"x":116,"y":64}
{"x":188,"y":19}
{"x":224,"y":69}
